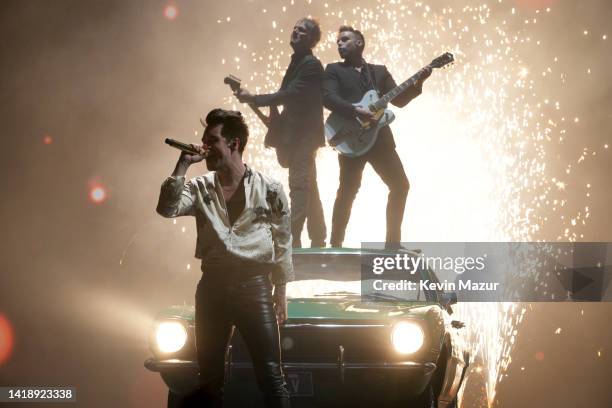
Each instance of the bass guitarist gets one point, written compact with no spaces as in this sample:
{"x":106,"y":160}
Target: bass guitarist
{"x":298,"y":132}
{"x":344,"y":83}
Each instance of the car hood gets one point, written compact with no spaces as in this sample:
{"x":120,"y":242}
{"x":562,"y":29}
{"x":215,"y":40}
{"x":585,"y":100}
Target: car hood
{"x":354,"y":309}
{"x":336,"y":308}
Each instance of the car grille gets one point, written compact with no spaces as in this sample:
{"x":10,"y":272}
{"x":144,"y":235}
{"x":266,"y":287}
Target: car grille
{"x":321,"y":343}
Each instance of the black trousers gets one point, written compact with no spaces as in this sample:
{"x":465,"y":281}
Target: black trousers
{"x":221,"y":304}
{"x":305,"y":200}
{"x":386,"y":163}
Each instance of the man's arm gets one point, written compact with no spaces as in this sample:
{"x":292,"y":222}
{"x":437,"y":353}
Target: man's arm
{"x":331,"y":93}
{"x":281,"y":234}
{"x":176,"y":197}
{"x":308,"y":76}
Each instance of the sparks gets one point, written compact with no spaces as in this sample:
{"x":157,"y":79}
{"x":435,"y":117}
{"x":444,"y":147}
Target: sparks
{"x":489,"y":105}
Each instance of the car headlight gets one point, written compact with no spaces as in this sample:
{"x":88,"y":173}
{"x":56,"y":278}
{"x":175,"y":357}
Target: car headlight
{"x":170,"y":336}
{"x":407,"y":337}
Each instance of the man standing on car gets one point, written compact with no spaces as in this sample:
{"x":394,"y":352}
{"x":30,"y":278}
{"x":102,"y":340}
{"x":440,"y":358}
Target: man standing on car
{"x":244,"y":241}
{"x":298,"y":132}
{"x":345,"y":83}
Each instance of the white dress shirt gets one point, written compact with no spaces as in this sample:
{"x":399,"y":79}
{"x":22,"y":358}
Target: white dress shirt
{"x":260,"y":236}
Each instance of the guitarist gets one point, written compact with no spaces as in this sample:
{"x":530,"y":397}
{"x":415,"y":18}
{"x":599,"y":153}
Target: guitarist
{"x":345,"y":83}
{"x":298,"y":132}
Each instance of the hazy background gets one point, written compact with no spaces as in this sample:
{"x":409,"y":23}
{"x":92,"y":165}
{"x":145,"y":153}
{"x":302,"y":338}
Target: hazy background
{"x":89,"y":91}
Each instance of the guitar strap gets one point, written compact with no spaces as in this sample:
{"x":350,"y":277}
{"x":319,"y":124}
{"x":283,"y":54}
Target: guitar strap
{"x":371,"y":77}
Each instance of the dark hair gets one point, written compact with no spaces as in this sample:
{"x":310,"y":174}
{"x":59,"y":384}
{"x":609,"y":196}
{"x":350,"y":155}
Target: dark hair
{"x":314,"y":30}
{"x":234,"y":126}
{"x":352,"y":30}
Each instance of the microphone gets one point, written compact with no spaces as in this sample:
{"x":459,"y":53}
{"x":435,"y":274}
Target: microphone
{"x":182,"y":146}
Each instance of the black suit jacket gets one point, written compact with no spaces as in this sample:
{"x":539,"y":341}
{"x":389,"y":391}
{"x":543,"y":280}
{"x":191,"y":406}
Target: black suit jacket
{"x":301,"y":122}
{"x":343,"y":85}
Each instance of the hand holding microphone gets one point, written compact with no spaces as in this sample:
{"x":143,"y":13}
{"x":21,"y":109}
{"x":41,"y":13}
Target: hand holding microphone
{"x":190,"y":153}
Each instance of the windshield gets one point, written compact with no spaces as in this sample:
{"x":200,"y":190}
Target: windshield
{"x":320,"y":276}
{"x":322,"y":287}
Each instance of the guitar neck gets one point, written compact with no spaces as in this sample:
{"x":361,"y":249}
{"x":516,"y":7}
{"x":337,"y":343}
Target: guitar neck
{"x":260,"y":114}
{"x":389,"y":96}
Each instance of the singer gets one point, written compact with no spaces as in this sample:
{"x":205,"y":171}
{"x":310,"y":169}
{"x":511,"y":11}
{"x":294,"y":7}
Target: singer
{"x":244,"y":242}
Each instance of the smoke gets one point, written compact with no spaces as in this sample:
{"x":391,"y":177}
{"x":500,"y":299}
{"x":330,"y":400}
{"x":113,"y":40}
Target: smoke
{"x":108,"y":81}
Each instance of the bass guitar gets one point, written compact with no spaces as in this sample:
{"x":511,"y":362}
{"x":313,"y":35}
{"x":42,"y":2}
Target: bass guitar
{"x":353,"y":137}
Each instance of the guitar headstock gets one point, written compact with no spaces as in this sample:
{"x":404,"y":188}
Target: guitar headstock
{"x":233,"y":82}
{"x":442,"y":60}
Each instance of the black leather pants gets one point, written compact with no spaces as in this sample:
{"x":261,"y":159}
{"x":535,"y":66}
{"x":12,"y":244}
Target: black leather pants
{"x":223,"y":302}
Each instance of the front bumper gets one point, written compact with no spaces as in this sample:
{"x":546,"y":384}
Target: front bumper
{"x":403,"y":378}
{"x":176,"y":364}
{"x":159,"y":366}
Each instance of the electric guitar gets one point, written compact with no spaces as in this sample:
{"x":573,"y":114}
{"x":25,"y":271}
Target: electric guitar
{"x":354,"y":137}
{"x":234,"y":84}
{"x":272,"y":122}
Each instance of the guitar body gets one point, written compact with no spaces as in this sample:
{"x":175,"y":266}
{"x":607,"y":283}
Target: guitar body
{"x":350,"y":136}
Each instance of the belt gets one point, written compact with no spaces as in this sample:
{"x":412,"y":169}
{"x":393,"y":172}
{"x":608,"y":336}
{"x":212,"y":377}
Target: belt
{"x":235,"y":273}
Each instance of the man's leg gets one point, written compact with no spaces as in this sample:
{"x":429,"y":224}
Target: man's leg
{"x":213,"y":331}
{"x":255,"y":318}
{"x":302,"y":181}
{"x":351,"y":170}
{"x":315,"y":219}
{"x":387,"y":164}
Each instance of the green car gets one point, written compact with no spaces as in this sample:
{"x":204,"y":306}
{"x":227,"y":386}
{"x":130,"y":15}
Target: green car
{"x":339,"y":348}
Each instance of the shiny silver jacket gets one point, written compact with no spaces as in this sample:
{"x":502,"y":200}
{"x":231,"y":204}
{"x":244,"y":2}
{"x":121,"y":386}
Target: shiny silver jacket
{"x":260,"y":236}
